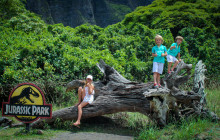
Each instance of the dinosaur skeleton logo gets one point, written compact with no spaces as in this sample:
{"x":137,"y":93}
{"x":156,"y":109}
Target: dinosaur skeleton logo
{"x":27,"y":104}
{"x":25,"y":95}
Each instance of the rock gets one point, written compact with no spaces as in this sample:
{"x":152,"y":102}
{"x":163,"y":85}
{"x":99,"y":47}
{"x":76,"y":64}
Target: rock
{"x":5,"y":121}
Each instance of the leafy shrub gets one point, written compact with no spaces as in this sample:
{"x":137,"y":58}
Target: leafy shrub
{"x":10,"y":8}
{"x":203,"y":46}
{"x":27,"y":22}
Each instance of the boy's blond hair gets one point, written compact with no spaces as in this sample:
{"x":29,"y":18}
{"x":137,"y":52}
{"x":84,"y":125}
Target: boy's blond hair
{"x":159,"y":37}
{"x":179,"y":37}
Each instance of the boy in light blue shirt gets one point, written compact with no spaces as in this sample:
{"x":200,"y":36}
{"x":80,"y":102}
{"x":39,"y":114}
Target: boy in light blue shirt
{"x":158,"y":52}
{"x":173,"y":51}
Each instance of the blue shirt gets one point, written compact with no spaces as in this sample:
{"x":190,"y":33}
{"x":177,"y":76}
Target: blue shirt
{"x":159,"y":50}
{"x":174,"y":51}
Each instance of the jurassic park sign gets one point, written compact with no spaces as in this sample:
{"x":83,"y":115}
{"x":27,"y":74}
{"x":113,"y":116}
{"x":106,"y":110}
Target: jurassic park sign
{"x":27,"y":104}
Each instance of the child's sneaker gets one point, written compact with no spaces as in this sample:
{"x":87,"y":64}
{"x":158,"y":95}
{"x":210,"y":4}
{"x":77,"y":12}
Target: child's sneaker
{"x":155,"y":86}
{"x":159,"y":86}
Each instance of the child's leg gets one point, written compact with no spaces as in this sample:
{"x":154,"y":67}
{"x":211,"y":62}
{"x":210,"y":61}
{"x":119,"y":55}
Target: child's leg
{"x":81,"y":105}
{"x":174,"y":66}
{"x":155,"y":71}
{"x":158,"y":78}
{"x":169,"y":66}
{"x":159,"y":73}
{"x":155,"y":78}
{"x":170,"y":62}
{"x":81,"y":95}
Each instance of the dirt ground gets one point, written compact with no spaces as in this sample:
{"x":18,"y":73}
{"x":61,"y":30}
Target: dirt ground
{"x":96,"y":128}
{"x":90,"y":136}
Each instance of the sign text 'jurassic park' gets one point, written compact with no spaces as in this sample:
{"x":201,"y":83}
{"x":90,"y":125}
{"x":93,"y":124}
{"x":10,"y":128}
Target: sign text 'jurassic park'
{"x":27,"y":103}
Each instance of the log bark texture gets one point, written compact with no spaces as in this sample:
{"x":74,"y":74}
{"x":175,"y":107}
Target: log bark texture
{"x":117,"y":94}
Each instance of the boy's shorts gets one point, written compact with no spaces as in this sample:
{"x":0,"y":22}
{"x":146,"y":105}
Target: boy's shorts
{"x":158,"y":67}
{"x":171,"y":58}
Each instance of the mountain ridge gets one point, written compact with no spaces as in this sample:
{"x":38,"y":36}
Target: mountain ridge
{"x":74,"y":13}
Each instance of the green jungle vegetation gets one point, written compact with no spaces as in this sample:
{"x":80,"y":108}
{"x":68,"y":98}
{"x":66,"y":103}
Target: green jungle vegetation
{"x":52,"y":55}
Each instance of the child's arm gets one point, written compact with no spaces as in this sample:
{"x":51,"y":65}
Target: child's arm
{"x":164,"y":54}
{"x":154,"y":54}
{"x":91,"y":88}
{"x":172,"y":47}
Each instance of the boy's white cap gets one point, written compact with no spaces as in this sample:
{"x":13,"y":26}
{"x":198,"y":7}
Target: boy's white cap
{"x":89,"y":77}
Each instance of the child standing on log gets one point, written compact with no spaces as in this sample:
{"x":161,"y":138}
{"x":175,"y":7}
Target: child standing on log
{"x":87,"y":95}
{"x":158,"y":52}
{"x":172,"y":53}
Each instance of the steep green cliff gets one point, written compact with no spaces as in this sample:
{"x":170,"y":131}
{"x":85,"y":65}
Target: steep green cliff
{"x":76,"y":12}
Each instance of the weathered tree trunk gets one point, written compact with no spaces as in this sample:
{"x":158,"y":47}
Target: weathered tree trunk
{"x":117,"y":94}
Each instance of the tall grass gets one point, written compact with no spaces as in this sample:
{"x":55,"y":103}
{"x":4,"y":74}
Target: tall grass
{"x":188,"y":129}
{"x":213,"y":99}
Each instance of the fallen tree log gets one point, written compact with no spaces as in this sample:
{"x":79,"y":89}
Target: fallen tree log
{"x":117,"y":94}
